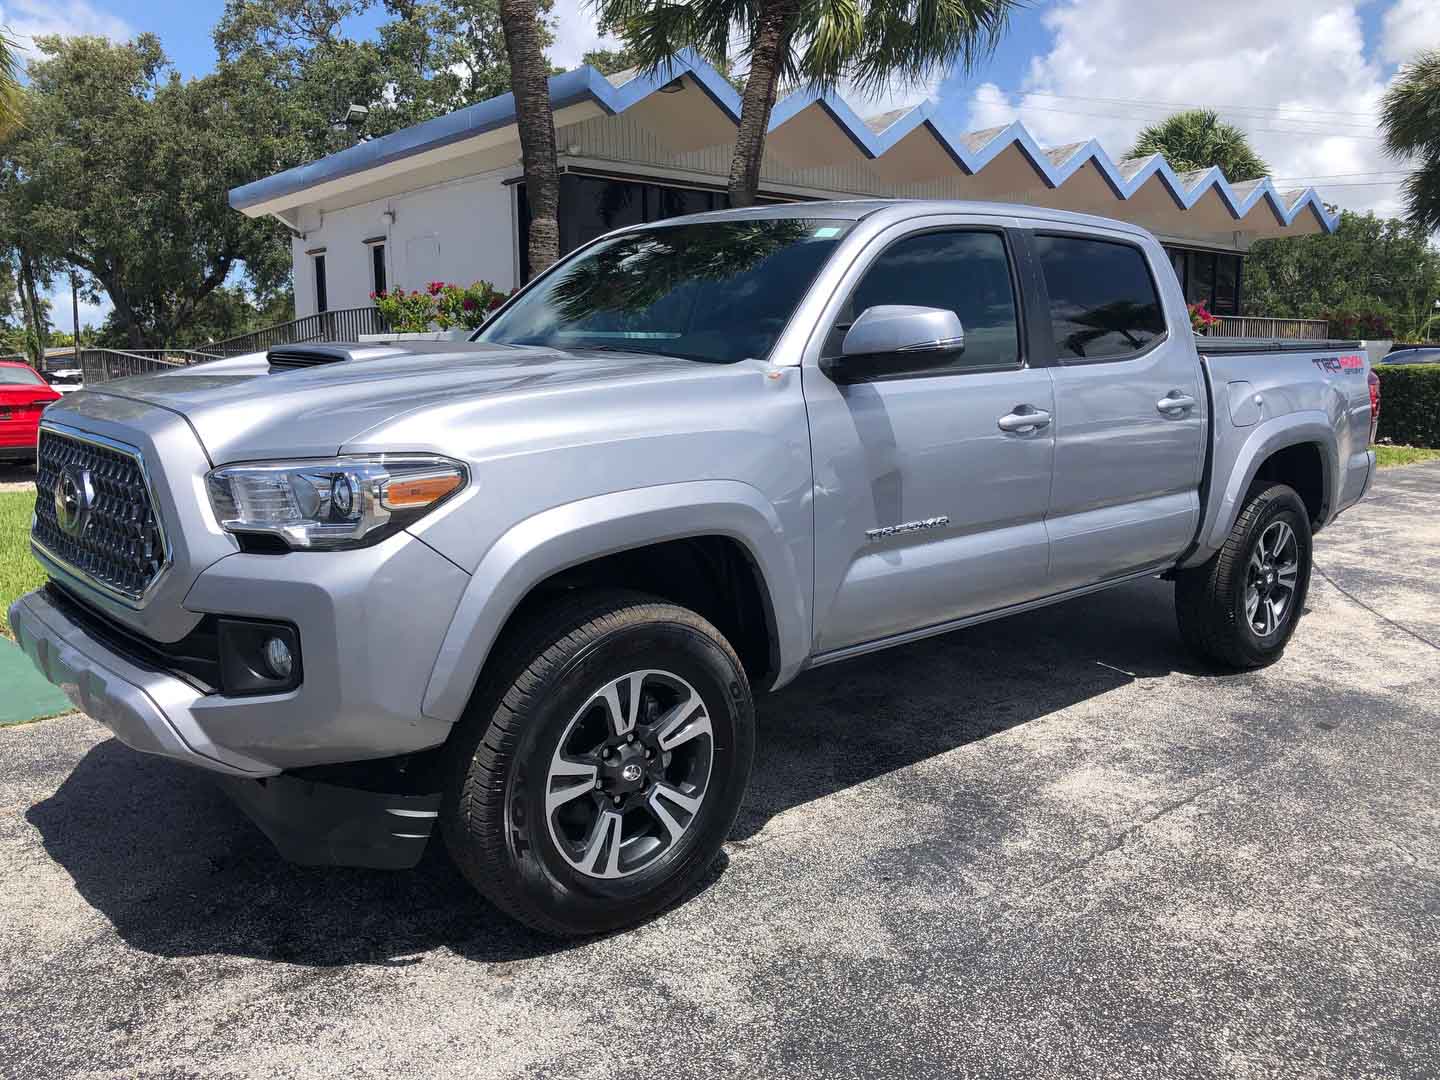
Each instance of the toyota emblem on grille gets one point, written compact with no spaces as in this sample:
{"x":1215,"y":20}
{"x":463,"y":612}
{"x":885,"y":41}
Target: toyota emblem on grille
{"x":74,"y":496}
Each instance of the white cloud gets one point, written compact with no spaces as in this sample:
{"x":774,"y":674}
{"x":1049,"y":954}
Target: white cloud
{"x":1409,"y":27}
{"x":899,"y":95}
{"x":1305,"y":60}
{"x":576,"y":33}
{"x":26,"y":20}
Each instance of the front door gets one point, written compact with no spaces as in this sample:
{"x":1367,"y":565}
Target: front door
{"x":926,"y":509}
{"x":1129,"y":411}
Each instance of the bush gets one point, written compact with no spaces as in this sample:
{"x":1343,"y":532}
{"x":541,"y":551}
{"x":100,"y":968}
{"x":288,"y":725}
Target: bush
{"x":1360,"y":325}
{"x":440,"y":305}
{"x":405,"y":312}
{"x":1410,"y":404}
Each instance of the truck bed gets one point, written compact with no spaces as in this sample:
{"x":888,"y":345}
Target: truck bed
{"x":1268,"y":394}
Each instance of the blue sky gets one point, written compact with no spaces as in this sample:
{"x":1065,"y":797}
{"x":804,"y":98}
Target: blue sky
{"x":1303,"y":77}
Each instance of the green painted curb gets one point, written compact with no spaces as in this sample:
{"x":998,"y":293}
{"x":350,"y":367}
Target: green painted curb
{"x":25,"y":694}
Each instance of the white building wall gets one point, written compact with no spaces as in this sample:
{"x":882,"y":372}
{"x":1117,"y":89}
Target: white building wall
{"x":460,"y":231}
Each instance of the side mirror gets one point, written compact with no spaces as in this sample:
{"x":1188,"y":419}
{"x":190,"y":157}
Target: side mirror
{"x":896,"y":339}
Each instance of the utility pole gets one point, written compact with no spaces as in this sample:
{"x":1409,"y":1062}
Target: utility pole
{"x":75,"y":319}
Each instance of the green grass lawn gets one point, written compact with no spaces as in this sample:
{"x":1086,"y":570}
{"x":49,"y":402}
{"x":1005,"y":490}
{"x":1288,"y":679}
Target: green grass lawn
{"x":19,"y":572}
{"x":1385,"y":456}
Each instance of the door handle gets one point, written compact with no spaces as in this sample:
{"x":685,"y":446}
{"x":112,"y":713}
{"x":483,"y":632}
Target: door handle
{"x":1175,"y":402}
{"x":1024,"y":418}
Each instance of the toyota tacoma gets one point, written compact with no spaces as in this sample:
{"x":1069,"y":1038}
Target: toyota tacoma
{"x":525,"y":588}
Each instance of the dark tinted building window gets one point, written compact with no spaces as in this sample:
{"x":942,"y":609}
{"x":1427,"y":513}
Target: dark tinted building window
{"x":1210,"y":277}
{"x":966,"y":272}
{"x":1103,"y":302}
{"x":377,"y":266}
{"x":322,"y":298}
{"x":591,"y":206}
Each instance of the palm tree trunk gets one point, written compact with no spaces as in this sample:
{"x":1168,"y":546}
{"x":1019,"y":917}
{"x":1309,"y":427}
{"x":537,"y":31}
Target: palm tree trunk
{"x":529,"y":79}
{"x":774,"y":28}
{"x":35,"y":338}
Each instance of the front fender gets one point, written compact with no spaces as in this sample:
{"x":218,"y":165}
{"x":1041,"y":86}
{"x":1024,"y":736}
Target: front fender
{"x":1237,"y":463}
{"x":574,"y":533}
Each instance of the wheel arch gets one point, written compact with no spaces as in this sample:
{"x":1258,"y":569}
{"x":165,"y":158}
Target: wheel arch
{"x":1299,"y":449}
{"x":640,"y":539}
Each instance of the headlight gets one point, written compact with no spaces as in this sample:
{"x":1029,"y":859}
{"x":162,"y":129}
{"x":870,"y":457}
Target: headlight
{"x":338,"y":503}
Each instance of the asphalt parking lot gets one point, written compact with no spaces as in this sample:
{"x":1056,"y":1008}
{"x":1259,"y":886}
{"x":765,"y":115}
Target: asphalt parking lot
{"x":1048,"y":847}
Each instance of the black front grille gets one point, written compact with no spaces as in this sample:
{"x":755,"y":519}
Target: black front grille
{"x":119,"y":544}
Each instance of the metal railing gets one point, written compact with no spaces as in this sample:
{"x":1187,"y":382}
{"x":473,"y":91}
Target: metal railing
{"x":342,"y":324}
{"x":102,"y":365}
{"x":1262,"y":326}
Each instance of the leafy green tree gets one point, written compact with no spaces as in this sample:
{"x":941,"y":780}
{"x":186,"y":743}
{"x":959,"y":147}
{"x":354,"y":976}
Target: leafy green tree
{"x":1199,"y":139}
{"x":1410,"y":122}
{"x":427,"y":58}
{"x":810,"y":42}
{"x":1369,"y":264}
{"x":122,"y":170}
{"x":610,"y":61}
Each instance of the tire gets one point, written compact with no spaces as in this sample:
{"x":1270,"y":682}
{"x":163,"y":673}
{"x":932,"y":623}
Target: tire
{"x":544,"y":713}
{"x":1212,"y":601}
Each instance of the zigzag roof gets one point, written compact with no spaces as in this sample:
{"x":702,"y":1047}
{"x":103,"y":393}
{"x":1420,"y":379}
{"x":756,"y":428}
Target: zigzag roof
{"x":971,"y":151}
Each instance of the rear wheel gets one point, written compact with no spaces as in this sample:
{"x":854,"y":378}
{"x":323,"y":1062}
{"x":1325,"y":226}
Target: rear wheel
{"x":1240,"y":608}
{"x":600,"y":769}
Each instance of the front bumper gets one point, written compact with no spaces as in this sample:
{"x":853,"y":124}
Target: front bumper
{"x":148,"y":710}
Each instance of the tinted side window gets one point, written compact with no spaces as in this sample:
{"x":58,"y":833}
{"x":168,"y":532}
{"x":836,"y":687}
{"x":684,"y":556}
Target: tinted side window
{"x":966,"y":272}
{"x":1103,"y":302}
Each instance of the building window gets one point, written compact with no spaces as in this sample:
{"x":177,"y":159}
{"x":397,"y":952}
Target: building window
{"x":322,"y":299}
{"x":591,"y":206}
{"x":377,"y":265}
{"x":1209,"y":277}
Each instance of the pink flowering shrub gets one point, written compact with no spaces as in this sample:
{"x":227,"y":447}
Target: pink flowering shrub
{"x":1200,"y":318}
{"x":440,"y":305}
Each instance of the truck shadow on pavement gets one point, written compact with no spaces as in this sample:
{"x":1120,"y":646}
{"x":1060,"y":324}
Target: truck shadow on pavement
{"x":178,"y":871}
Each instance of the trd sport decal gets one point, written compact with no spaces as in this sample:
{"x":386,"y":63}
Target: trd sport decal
{"x":1349,"y":364}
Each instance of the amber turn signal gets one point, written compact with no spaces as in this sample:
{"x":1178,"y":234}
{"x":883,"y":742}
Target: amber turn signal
{"x":414,"y":492}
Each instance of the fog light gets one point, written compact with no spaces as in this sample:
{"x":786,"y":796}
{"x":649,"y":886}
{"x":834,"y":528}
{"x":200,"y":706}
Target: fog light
{"x":278,"y":658}
{"x":258,"y":657}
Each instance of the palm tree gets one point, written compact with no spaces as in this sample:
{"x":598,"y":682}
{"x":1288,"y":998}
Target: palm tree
{"x":1198,"y":139}
{"x":525,"y":39}
{"x":809,"y":42}
{"x":12,"y":94}
{"x":1410,"y":121}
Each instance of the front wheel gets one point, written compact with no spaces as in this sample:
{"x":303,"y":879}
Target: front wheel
{"x":1239,"y":608}
{"x":602,"y":765}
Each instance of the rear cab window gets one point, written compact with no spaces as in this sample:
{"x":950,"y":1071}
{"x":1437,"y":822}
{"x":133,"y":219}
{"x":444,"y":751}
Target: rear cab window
{"x":1103,"y":301}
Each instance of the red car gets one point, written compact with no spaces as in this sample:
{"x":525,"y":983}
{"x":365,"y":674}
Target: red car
{"x":23,"y":397}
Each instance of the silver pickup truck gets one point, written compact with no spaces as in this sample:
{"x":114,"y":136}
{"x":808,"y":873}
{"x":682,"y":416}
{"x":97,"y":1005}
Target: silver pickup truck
{"x":526,"y":586}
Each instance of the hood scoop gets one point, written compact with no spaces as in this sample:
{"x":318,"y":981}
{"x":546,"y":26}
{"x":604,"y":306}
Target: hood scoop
{"x":294,"y":357}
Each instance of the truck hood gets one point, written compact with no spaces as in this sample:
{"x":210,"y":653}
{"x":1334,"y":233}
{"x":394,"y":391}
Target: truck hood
{"x":242,"y":410}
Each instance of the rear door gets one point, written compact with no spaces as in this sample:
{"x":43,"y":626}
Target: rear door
{"x":1130,"y":417}
{"x":926,"y":510}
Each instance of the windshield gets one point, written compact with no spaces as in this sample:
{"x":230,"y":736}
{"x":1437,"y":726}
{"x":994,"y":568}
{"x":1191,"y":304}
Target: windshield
{"x":16,"y":375}
{"x":715,"y":291}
